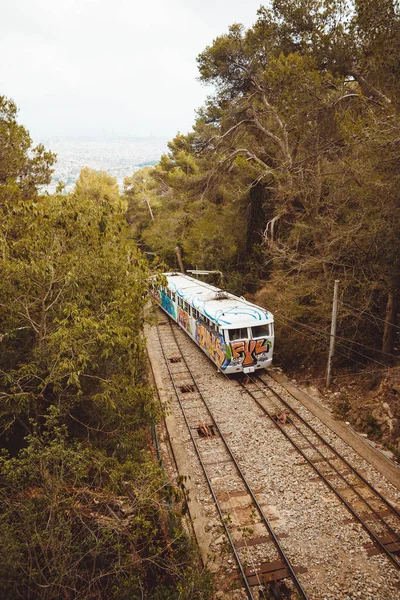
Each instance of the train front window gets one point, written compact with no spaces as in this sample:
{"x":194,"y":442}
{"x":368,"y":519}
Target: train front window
{"x":238,"y":334}
{"x":261,"y":331}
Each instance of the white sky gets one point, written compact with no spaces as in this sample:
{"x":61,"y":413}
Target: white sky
{"x":114,"y":67}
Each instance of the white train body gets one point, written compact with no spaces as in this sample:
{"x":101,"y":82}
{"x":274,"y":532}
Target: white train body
{"x":235,"y":334}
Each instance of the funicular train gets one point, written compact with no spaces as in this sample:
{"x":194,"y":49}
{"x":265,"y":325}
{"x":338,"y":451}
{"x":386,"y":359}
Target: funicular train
{"x":237,"y":335}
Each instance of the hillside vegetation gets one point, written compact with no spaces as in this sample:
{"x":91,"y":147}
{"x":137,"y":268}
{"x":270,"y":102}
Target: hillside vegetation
{"x":86,"y":511}
{"x":290,"y":180}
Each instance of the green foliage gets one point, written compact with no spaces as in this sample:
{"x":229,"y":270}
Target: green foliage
{"x":76,"y":523}
{"x":86,"y":511}
{"x":22,"y":168}
{"x":342,"y":407}
{"x":72,"y":309}
{"x":371,"y":426}
{"x":210,"y":240}
{"x":100,"y":187}
{"x":305,"y":110}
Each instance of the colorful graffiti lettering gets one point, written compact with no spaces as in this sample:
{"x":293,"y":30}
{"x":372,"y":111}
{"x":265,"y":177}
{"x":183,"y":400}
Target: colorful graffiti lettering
{"x":213,"y":344}
{"x":167,"y":304}
{"x":249,"y":350}
{"x":183,"y":319}
{"x":245,"y":352}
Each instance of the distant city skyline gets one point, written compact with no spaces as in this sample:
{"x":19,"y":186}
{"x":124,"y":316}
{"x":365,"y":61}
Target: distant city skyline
{"x":92,"y":68}
{"x":104,"y":135}
{"x":120,"y":158}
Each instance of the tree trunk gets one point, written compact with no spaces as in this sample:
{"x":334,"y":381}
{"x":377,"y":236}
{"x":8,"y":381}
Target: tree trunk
{"x":257,"y":219}
{"x":179,"y":257}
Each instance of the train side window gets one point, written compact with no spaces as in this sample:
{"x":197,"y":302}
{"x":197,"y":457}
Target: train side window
{"x":238,"y":334}
{"x":186,"y":307}
{"x":173,"y":296}
{"x":195,"y":314}
{"x":261,"y":331}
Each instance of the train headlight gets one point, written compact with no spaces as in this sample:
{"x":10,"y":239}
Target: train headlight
{"x":236,"y":361}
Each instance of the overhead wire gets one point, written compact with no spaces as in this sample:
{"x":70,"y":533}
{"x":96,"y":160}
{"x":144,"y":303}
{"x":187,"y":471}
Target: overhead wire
{"x":363,"y":355}
{"x":365,"y":312}
{"x":352,"y":374}
{"x":338,"y":351}
{"x":350,"y":357}
{"x":338,"y":337}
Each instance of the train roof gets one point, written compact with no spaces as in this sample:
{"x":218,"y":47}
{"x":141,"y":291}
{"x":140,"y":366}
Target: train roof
{"x":225,"y":309}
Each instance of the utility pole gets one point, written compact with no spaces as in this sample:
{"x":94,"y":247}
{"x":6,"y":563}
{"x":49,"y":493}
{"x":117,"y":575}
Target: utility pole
{"x":333,"y":333}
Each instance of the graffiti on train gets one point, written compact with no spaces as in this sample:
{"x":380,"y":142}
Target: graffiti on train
{"x":246,"y":352}
{"x":184,"y":320}
{"x":167,"y":304}
{"x":213,"y":344}
{"x":250,"y":351}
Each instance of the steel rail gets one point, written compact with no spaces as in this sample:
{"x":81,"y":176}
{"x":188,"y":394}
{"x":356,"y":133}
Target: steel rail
{"x":327,"y":460}
{"x":317,"y":434}
{"x":239,"y":470}
{"x":326,"y":481}
{"x":217,"y":504}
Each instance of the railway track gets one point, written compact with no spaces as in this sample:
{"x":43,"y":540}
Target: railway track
{"x":367,"y":506}
{"x":339,"y":553}
{"x":246,"y":526}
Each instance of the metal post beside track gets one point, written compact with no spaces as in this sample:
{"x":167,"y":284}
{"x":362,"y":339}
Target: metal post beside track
{"x":333,"y":333}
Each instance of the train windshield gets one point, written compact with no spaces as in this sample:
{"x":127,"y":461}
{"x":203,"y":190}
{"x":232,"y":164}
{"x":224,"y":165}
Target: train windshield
{"x":261,"y":331}
{"x":238,"y":334}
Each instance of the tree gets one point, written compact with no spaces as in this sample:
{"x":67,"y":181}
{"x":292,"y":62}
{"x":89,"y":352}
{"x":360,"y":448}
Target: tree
{"x":85,"y":507}
{"x":77,"y":523}
{"x":288,"y":174}
{"x":301,"y":97}
{"x":22,"y":168}
{"x":141,"y":192}
{"x":71,"y":310}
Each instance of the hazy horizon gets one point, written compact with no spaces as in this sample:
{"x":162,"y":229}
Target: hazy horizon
{"x":119,"y":157}
{"x":80,"y":67}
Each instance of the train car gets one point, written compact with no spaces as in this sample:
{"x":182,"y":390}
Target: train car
{"x":237,"y":335}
